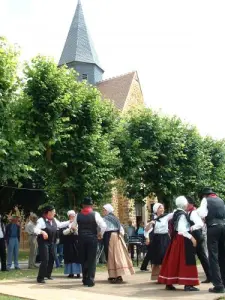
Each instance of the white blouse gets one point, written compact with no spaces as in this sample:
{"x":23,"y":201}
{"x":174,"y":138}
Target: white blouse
{"x":160,"y":227}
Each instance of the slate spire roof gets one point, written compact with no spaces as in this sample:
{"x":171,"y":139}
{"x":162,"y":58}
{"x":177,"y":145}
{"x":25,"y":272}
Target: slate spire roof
{"x":79,"y":46}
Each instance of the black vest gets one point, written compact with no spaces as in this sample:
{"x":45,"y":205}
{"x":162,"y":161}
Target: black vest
{"x":51,"y":230}
{"x":87,"y":225}
{"x":216,"y":211}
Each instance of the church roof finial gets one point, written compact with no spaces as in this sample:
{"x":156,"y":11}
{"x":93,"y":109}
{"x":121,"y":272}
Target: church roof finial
{"x":79,"y":46}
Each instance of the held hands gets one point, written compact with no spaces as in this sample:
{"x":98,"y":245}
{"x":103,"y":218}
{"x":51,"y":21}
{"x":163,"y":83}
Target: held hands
{"x":99,"y":236}
{"x":194,"y":242}
{"x":147,"y":242}
{"x":45,"y":235}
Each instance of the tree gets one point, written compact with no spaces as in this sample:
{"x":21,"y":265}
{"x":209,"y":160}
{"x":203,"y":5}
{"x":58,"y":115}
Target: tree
{"x":161,"y":156}
{"x":73,"y":129}
{"x":14,"y":152}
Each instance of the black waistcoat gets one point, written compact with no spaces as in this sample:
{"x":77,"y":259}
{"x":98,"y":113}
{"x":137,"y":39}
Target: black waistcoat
{"x":51,"y":230}
{"x":216,"y":211}
{"x":87,"y":225}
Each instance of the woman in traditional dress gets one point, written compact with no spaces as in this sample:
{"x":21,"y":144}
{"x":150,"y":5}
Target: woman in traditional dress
{"x":159,"y":237}
{"x":117,"y":256}
{"x":72,"y":265}
{"x":179,"y":265}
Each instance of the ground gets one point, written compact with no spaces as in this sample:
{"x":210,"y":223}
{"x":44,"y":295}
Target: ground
{"x":136,"y":287}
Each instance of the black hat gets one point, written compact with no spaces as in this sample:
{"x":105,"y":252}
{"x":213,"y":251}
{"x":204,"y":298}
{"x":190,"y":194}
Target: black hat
{"x":88,"y":201}
{"x":207,"y":191}
{"x":48,"y":208}
{"x":190,"y":200}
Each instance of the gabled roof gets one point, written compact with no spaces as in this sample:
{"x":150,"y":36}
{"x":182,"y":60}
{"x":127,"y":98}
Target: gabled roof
{"x":79,"y":46}
{"x":117,"y":88}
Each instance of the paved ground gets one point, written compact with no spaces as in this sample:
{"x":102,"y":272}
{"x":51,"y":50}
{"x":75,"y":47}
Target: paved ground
{"x":136,"y":287}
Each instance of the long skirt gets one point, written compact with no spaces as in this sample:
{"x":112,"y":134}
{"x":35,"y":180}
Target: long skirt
{"x":179,"y":266}
{"x":72,"y":268}
{"x":158,"y":248}
{"x":118,"y":259}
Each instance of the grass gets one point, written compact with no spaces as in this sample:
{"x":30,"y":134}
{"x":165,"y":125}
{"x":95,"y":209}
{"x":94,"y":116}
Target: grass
{"x":31,"y":274}
{"x":4,"y":297}
{"x":23,"y":255}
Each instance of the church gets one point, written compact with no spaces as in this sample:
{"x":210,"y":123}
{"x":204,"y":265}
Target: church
{"x":124,"y":91}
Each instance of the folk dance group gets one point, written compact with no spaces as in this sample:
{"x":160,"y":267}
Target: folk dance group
{"x":174,"y":240}
{"x":80,"y":239}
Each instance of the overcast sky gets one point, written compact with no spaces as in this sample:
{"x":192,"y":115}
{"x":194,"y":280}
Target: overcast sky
{"x":177,"y":47}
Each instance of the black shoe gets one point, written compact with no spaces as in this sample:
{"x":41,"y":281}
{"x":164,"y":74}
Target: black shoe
{"x":217,"y":290}
{"x":78,"y":275}
{"x":85,"y":282}
{"x":206,"y":281}
{"x":190,"y":288}
{"x":146,"y":270}
{"x":40,"y":281}
{"x":50,"y":278}
{"x":91,"y":284}
{"x":70,"y":276}
{"x":170,"y":288}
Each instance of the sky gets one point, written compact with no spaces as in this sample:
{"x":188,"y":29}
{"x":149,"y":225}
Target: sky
{"x":177,"y":47}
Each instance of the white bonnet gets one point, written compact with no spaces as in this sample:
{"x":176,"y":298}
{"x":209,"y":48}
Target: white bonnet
{"x":109,"y":208}
{"x":181,"y":202}
{"x":156,"y":206}
{"x":71,"y":213}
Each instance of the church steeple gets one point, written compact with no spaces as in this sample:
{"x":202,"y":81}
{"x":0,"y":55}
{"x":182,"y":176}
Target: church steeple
{"x":79,"y":52}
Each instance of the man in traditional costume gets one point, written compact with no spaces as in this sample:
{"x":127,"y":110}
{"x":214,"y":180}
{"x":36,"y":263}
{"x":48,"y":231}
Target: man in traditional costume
{"x":69,"y":240}
{"x":119,"y":262}
{"x":159,"y":237}
{"x":197,"y":234}
{"x":179,"y":264}
{"x":46,"y":230}
{"x":212,"y":209}
{"x":88,"y":222}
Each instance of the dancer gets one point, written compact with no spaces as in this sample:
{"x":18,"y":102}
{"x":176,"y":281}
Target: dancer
{"x":160,"y":239}
{"x":119,"y":262}
{"x":212,"y":209}
{"x":88,"y":222}
{"x":179,"y":264}
{"x":70,"y":249}
{"x":197,"y":234}
{"x":46,"y":229}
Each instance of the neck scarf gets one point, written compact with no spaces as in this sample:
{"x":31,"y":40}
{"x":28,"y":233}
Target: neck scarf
{"x":87,"y":210}
{"x":113,"y":220}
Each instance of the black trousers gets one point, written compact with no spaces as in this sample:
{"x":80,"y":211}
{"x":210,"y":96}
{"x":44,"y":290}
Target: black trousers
{"x":88,"y":252}
{"x":3,"y":254}
{"x":47,"y":257}
{"x":202,"y":256}
{"x":216,"y":249}
{"x":147,"y":259}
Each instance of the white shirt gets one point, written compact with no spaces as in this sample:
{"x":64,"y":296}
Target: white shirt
{"x":29,"y":228}
{"x":99,"y":221}
{"x":41,"y":225}
{"x":1,"y":233}
{"x":161,"y":226}
{"x":203,"y":209}
{"x":195,"y":218}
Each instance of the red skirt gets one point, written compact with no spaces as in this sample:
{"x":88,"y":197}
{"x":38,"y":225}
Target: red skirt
{"x":174,"y":269}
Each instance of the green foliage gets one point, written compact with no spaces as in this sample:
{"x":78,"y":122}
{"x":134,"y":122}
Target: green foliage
{"x":165,"y":157}
{"x":58,"y":134}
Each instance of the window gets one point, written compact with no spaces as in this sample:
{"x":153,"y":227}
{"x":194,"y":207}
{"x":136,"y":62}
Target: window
{"x":84,"y":77}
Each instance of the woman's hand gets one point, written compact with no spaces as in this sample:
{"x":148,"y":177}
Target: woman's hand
{"x":45,"y":235}
{"x":147,"y":242}
{"x":194,"y":242}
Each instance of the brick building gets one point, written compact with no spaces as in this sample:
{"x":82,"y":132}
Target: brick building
{"x":124,"y":91}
